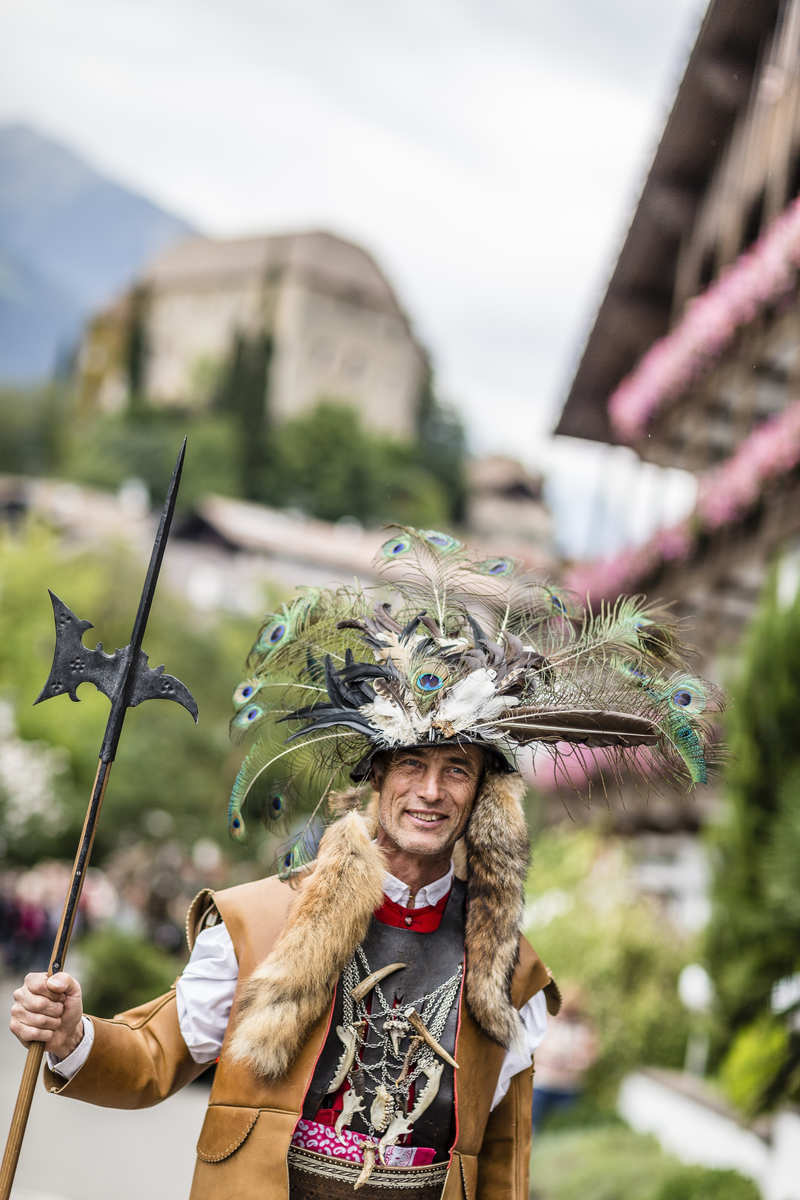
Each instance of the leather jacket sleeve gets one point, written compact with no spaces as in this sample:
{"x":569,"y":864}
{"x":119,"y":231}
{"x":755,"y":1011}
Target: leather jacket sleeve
{"x":137,"y":1059}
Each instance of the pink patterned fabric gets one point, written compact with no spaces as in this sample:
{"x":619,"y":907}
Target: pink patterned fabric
{"x":323,"y":1139}
{"x":762,"y":275}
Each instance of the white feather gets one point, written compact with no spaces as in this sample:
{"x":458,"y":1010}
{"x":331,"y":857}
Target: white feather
{"x":473,"y":698}
{"x":396,"y":726}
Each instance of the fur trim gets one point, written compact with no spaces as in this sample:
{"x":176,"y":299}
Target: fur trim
{"x":293,"y":986}
{"x":460,"y":859}
{"x":498,"y":854}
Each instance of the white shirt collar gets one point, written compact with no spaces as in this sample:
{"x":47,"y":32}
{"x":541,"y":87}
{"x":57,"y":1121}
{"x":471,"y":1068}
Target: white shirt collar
{"x":431,"y":894}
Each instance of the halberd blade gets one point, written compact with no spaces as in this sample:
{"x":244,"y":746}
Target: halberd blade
{"x":74,"y":663}
{"x":153,"y":683}
{"x":123,"y":676}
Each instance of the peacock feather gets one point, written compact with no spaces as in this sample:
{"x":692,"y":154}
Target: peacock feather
{"x":452,"y":647}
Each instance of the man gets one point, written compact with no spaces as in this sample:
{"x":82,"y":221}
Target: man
{"x":374,"y":1015}
{"x":425,"y":800}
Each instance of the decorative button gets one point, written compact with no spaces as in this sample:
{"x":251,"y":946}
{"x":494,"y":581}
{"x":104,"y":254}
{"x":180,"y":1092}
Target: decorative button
{"x":408,"y":920}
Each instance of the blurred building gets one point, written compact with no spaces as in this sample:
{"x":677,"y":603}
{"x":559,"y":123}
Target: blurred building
{"x":225,"y":554}
{"x":506,"y":501}
{"x":334,"y":324}
{"x":694,"y":355}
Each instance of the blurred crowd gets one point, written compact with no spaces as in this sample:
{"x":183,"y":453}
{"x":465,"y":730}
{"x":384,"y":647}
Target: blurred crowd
{"x":30,"y":909}
{"x":143,"y":889}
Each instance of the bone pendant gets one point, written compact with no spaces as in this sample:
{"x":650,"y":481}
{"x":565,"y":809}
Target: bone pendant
{"x":413,"y":1018}
{"x":397,"y":1029}
{"x":352,"y":1104}
{"x":381,"y":1109}
{"x":413,"y":1047}
{"x":370,"y":1152}
{"x":358,"y":993}
{"x":399,"y":1126}
{"x":433,"y":1071}
{"x":348,"y":1035}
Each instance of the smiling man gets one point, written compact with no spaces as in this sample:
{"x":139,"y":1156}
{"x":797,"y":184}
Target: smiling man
{"x":374,"y":1009}
{"x":425,"y":799}
{"x":411,"y":1021}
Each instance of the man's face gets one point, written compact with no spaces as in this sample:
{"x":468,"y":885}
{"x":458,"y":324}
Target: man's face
{"x":426,"y":796}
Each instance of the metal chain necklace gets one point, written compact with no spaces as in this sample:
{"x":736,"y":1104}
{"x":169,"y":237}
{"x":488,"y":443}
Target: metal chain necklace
{"x":390,"y":1048}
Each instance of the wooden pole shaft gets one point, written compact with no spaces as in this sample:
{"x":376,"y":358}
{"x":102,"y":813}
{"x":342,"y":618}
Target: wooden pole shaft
{"x":19,"y":1120}
{"x":119,"y":695}
{"x":33,"y":1061}
{"x":79,"y":868}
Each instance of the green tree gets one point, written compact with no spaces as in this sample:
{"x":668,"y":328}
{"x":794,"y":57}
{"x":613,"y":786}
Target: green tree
{"x":33,"y":425}
{"x":753,"y":938}
{"x":164,"y":761}
{"x":244,"y":396}
{"x":327,"y":464}
{"x":441,"y":445}
{"x":136,"y":351}
{"x":106,"y":450}
{"x":593,"y":932}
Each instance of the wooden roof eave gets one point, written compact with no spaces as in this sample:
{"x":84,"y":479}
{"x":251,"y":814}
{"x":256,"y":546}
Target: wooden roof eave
{"x":637,"y":305}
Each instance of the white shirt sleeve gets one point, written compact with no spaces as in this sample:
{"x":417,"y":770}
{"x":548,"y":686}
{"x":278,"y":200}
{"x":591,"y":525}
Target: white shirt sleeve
{"x":67,"y":1067}
{"x":204,"y":995}
{"x":520,"y":1056}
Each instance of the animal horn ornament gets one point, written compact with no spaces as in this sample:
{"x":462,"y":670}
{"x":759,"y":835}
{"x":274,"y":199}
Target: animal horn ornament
{"x":366,"y":985}
{"x":463,"y":650}
{"x":127,"y":680}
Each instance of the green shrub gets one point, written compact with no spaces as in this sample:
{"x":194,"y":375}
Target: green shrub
{"x":754,"y":933}
{"x":702,"y":1183}
{"x":591,"y":931}
{"x":586,"y":1113}
{"x":33,"y":424}
{"x":754,"y":1060}
{"x":598,"y":1164}
{"x":618,"y":1164}
{"x":121,"y":970}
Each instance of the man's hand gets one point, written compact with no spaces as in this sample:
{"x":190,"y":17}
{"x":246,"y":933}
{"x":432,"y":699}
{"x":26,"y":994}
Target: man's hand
{"x":48,"y":1010}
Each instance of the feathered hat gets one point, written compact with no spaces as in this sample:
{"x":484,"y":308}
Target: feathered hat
{"x":450,"y":649}
{"x":453,"y":649}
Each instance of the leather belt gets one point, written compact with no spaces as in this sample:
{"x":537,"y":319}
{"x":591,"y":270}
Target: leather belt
{"x":319,"y":1177}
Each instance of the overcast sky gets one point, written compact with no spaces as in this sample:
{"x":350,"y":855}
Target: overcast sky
{"x":488,"y":152}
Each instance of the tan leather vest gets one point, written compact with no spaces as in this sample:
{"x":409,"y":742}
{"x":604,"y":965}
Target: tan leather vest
{"x":140,"y":1057}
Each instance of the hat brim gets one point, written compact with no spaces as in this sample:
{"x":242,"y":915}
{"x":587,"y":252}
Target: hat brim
{"x":496,"y":760}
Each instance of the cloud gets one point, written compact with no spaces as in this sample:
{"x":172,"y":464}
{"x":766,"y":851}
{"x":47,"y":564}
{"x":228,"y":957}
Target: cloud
{"x":488,"y":154}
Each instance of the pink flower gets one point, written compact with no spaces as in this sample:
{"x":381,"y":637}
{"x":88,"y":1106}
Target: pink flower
{"x":759,"y":277}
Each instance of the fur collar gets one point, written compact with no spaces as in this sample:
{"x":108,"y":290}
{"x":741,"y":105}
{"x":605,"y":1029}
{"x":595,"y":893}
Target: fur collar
{"x":292,"y":988}
{"x":498,"y":855}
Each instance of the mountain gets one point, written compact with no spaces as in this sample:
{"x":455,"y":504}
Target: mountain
{"x":70,"y":238}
